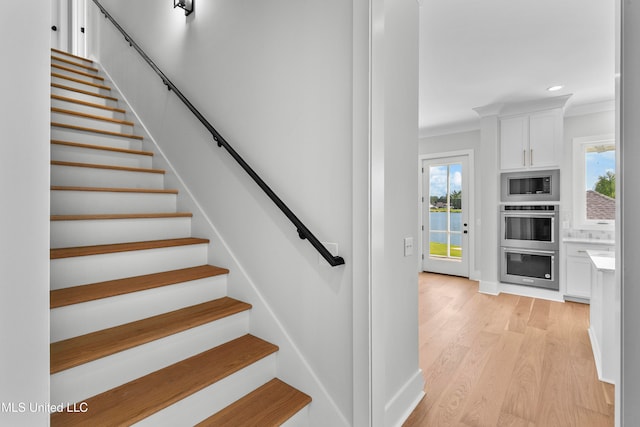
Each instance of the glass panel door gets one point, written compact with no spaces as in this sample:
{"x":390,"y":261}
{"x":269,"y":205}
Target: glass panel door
{"x":445,"y":216}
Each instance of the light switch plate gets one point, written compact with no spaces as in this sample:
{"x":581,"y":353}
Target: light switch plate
{"x":408,"y":246}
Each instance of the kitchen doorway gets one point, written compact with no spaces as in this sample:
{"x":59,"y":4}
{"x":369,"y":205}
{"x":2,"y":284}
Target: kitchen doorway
{"x":445,"y":214}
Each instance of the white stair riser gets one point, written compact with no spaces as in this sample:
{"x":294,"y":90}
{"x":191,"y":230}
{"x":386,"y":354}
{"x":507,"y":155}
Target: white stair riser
{"x":75,"y":75}
{"x":54,"y":60}
{"x":95,"y":177}
{"x":91,"y":123}
{"x":80,"y":108}
{"x":300,"y":419}
{"x":65,"y":202}
{"x":66,"y":272}
{"x":83,"y":97}
{"x":80,"y":85}
{"x":71,"y":135}
{"x":214,"y":398}
{"x":71,"y":233}
{"x":79,"y":319}
{"x":89,"y":379}
{"x":68,"y":153}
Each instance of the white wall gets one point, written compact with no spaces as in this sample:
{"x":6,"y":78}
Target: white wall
{"x":395,"y":287}
{"x":24,"y":217}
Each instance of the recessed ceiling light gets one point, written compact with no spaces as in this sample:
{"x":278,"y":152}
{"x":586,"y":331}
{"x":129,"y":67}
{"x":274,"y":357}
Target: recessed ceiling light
{"x":555,"y":88}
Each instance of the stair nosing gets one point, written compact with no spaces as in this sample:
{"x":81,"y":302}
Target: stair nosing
{"x":80,"y":81}
{"x":81,"y":73}
{"x":168,"y":385}
{"x":87,"y":104}
{"x":77,"y":64}
{"x":101,"y":147}
{"x":79,"y":251}
{"x":110,"y":288}
{"x":91,"y":116}
{"x":72,"y":352}
{"x":71,"y":55}
{"x":109,"y":167}
{"x":113,"y":190}
{"x":84,"y":92}
{"x":90,"y":217}
{"x":93,"y":130}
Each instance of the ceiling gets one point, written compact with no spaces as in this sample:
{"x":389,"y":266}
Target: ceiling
{"x":480,"y":52}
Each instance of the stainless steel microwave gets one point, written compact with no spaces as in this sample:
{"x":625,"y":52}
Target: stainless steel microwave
{"x":530,"y":186}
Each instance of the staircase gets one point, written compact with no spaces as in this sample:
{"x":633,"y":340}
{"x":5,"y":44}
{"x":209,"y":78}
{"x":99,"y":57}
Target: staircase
{"x":141,"y":328}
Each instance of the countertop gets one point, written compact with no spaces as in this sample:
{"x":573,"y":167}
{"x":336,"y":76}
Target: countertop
{"x":587,"y":240}
{"x":603,"y":261}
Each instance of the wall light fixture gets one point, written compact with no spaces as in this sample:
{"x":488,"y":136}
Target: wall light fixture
{"x":187,"y":5}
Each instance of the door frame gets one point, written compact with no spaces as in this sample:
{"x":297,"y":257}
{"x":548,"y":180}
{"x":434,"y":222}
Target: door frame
{"x":473,"y":275}
{"x":69,"y":16}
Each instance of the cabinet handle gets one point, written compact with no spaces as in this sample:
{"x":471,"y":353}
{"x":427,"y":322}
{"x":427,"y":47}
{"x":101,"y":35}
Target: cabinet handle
{"x":524,"y":157}
{"x":531,"y":157}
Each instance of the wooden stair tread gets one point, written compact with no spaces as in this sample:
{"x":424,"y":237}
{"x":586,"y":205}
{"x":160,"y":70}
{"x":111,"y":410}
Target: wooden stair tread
{"x":84,"y":82}
{"x":144,"y":396}
{"x":93,"y":130}
{"x":84,"y":92}
{"x":59,"y":253}
{"x":120,"y":216}
{"x":77,"y":64}
{"x":113,"y":190}
{"x":87,"y":104}
{"x":86,"y":348}
{"x":91,"y":116}
{"x":110,"y":167}
{"x":94,"y":291}
{"x":268,"y":406}
{"x":81,"y":73}
{"x":62,"y":52}
{"x":101,"y":147}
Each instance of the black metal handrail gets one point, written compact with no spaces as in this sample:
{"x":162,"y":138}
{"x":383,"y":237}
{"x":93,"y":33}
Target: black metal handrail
{"x":303,"y":231}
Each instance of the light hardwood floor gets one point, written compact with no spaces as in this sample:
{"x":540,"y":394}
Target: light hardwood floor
{"x":505,"y":360}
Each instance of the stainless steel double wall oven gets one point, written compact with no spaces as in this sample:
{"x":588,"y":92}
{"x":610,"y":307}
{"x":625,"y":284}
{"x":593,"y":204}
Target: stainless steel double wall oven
{"x":529,"y":229}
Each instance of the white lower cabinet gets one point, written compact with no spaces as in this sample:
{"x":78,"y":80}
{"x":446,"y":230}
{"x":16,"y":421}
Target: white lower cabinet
{"x":577,"y":269}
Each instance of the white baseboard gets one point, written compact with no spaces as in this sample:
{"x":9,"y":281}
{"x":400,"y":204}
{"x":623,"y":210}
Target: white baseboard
{"x":475,"y":275}
{"x":491,"y":288}
{"x":530,"y":291}
{"x":402,"y":404}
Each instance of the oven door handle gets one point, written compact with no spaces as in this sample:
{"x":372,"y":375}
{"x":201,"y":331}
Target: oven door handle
{"x":529,"y":214}
{"x":529,"y":251}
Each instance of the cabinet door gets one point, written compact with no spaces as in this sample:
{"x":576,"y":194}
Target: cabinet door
{"x":544,"y":139}
{"x":514,"y":142}
{"x":579,"y":276}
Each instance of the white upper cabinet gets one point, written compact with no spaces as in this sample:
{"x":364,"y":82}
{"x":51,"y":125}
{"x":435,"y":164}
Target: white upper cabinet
{"x":531,"y":140}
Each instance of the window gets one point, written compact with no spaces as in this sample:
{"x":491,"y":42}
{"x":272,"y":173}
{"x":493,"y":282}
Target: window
{"x":594,"y":182}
